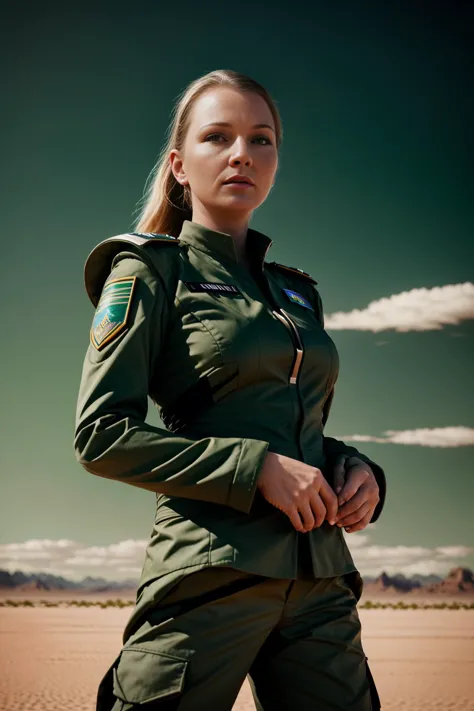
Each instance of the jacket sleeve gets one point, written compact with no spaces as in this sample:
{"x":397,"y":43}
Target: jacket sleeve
{"x":333,"y":448}
{"x":112,"y":438}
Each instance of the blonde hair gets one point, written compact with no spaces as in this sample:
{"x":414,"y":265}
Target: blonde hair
{"x":167,"y":203}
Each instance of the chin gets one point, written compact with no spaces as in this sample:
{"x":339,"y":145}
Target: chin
{"x":246,"y":202}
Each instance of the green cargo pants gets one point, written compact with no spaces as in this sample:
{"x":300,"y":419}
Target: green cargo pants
{"x":298,"y":640}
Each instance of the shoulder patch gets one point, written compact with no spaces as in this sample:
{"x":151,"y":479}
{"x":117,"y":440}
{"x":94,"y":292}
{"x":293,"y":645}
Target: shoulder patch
{"x":112,"y":310}
{"x":295,"y":270}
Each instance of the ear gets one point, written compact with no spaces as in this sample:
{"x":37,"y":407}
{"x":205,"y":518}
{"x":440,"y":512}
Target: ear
{"x":177,"y":167}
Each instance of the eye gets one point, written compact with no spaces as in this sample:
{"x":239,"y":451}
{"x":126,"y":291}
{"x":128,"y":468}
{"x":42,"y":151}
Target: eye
{"x":212,"y":136}
{"x":215,"y":137}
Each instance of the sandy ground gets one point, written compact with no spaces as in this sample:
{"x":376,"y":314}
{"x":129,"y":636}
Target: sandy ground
{"x":53,"y":658}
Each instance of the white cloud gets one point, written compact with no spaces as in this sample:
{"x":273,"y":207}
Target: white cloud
{"x":358,"y":540}
{"x":372,"y":559}
{"x":421,"y":567}
{"x":33,"y":550}
{"x":396,"y":553}
{"x":416,"y":310}
{"x":453,"y":551}
{"x":73,"y":560}
{"x":423,"y":437}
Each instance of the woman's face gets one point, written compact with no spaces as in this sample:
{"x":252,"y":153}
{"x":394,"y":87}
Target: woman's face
{"x":230,"y":132}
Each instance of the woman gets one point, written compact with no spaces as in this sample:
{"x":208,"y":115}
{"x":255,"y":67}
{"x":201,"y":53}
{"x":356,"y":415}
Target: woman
{"x":247,"y":570}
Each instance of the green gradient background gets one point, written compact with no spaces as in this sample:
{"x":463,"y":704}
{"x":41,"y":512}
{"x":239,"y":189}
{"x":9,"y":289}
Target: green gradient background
{"x":374,"y":197}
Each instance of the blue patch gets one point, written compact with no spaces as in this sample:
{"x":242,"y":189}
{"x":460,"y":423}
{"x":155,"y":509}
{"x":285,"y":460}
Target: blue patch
{"x":298,"y":299}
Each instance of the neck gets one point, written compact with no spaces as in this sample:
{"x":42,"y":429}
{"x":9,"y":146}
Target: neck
{"x":234,"y":225}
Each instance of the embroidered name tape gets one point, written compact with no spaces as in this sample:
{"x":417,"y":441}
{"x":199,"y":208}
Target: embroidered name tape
{"x":218,"y":289}
{"x":112,"y":310}
{"x":298,"y":299}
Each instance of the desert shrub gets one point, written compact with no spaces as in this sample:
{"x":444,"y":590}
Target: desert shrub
{"x":404,"y":605}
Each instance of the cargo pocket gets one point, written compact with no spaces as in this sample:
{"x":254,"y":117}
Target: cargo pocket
{"x":374,"y":697}
{"x":105,"y":697}
{"x":144,"y":675}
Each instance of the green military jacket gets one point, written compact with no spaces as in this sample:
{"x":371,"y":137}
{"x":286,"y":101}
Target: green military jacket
{"x":238,"y":363}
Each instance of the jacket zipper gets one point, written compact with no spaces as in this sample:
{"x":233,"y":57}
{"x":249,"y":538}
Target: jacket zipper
{"x":299,"y":352}
{"x":282,"y":316}
{"x":298,"y":346}
{"x":297,"y":343}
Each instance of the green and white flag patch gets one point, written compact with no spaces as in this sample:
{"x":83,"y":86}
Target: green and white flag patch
{"x":112,"y":310}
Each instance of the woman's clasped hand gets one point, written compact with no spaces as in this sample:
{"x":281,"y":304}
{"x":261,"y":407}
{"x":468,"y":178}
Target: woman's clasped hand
{"x":305,"y":496}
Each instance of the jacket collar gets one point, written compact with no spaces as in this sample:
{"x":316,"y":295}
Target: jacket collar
{"x":221,"y":245}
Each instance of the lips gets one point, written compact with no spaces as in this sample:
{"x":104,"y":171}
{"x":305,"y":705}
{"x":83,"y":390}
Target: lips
{"x":239,"y":179}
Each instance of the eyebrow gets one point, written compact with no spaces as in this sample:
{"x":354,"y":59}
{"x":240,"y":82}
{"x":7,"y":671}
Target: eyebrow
{"x":225,"y":123}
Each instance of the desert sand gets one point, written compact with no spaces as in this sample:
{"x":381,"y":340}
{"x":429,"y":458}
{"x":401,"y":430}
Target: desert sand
{"x":53,"y":658}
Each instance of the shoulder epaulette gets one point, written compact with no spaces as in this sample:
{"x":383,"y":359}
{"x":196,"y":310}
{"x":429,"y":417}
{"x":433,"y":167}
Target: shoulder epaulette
{"x":295,"y":270}
{"x":151,"y":237}
{"x":99,"y":262}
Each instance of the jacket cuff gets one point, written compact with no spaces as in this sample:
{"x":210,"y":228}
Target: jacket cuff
{"x":244,"y":483}
{"x":379,"y":475}
{"x":335,"y":447}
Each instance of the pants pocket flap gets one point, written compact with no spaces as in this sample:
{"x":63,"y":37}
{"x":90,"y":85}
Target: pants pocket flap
{"x":144,"y":675}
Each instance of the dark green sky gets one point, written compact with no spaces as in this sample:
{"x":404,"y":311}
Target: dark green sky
{"x":373,"y":198}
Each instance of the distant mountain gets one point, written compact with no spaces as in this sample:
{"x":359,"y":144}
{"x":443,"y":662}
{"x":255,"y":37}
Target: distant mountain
{"x":458,"y":581}
{"x":99,"y":584}
{"x":391,"y":583}
{"x":426,"y":579}
{"x":45,"y":581}
{"x":417,"y":578}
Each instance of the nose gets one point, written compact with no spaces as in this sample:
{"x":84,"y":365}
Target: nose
{"x":240,"y":154}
